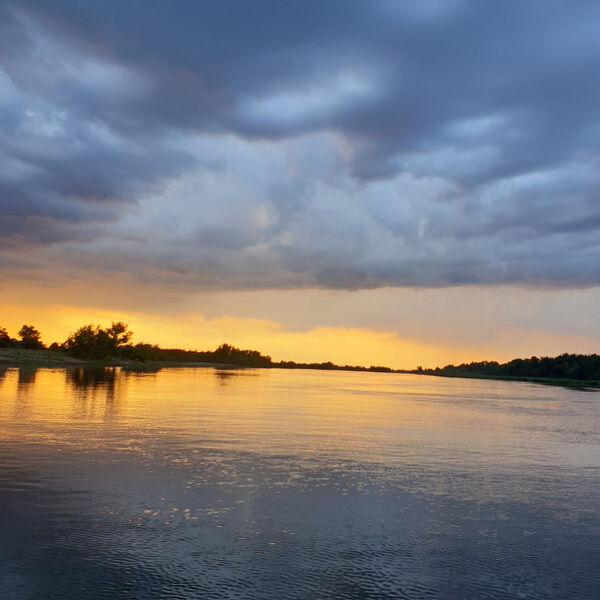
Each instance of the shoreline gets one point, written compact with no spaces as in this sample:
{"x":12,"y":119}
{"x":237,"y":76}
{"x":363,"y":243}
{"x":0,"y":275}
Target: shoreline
{"x":21,"y":358}
{"x":577,"y":384}
{"x":55,"y":359}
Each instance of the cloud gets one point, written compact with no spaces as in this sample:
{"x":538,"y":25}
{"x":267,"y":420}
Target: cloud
{"x":301,"y":144}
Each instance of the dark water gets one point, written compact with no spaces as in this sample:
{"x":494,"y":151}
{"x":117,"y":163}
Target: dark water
{"x":295,"y":485}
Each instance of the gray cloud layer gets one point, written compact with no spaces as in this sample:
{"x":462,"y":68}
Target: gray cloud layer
{"x":285,"y":144}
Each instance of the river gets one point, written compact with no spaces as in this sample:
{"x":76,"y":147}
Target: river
{"x":279,"y":484}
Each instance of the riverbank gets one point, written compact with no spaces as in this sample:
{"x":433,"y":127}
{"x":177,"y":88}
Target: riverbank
{"x":18,"y":357}
{"x":576,"y":384}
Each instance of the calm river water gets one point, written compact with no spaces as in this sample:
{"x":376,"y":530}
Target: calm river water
{"x":274,"y":484}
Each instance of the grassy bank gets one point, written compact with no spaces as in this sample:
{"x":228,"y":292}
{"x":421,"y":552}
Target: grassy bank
{"x":576,"y":384}
{"x":18,"y":357}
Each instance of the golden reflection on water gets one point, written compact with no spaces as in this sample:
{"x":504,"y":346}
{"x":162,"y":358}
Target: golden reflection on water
{"x":370,"y":416}
{"x":201,"y":480}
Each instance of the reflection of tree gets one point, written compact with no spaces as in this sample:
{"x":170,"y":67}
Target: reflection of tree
{"x":100,"y":389}
{"x":95,"y":389}
{"x":26,"y":376}
{"x":92,"y":377}
{"x":3,"y":371}
{"x":140,"y":373}
{"x":226,"y":376}
{"x":25,"y":381}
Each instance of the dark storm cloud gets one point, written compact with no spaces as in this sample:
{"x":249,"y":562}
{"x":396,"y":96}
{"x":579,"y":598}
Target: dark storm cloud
{"x":341,"y":144}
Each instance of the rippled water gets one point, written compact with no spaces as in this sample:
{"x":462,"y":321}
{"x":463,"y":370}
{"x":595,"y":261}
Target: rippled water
{"x":273,"y":484}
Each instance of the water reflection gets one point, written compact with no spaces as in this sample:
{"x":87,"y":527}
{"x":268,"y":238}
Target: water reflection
{"x":202,"y":483}
{"x":101,"y":392}
{"x":225,"y":376}
{"x":103,"y":377}
{"x":26,"y":376}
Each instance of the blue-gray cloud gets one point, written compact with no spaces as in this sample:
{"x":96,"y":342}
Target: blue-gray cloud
{"x":284,"y":144}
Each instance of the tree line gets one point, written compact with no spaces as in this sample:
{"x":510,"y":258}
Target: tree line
{"x":585,"y":367}
{"x":92,"y":342}
{"x":29,"y":338}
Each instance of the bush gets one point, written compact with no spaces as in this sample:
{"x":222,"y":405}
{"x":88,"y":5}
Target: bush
{"x":30,"y":337}
{"x":5,"y":340}
{"x":90,"y":342}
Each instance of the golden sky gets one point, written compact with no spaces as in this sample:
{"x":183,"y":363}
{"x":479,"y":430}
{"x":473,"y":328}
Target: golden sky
{"x":334,"y":190}
{"x":393,"y":326}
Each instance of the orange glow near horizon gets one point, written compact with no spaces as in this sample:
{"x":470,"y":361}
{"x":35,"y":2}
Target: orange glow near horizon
{"x":193,"y":331}
{"x":342,"y":345}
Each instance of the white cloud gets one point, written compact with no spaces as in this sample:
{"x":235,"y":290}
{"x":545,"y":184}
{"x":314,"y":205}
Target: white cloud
{"x":313,"y":99}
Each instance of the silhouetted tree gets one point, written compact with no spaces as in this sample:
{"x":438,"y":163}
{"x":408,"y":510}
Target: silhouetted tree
{"x":118,"y":333}
{"x":30,"y":337}
{"x":234,"y":356}
{"x":94,"y":342}
{"x":82,"y":343}
{"x":584,"y":367}
{"x":5,"y":340}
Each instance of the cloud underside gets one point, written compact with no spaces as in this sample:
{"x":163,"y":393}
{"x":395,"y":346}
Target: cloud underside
{"x":281,"y":145}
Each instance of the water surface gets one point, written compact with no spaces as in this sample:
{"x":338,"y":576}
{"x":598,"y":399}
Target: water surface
{"x":276,"y":484}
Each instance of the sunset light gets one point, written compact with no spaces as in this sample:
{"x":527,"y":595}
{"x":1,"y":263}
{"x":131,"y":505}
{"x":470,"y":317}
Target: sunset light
{"x":299,"y":299}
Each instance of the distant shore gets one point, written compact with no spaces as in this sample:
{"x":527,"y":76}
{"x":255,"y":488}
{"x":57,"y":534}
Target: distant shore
{"x":577,"y":384}
{"x":18,"y":357}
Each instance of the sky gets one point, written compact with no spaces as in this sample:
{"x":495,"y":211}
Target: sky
{"x":382,"y":182}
